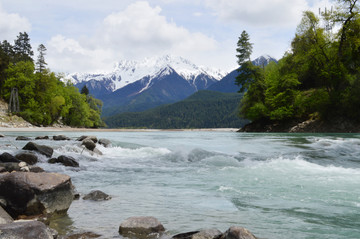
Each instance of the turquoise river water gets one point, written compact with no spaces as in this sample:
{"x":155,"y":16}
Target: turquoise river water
{"x":275,"y":185}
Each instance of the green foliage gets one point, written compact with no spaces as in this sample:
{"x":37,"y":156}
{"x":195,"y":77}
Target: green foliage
{"x":244,"y":48}
{"x":319,"y":76}
{"x":204,"y":109}
{"x":40,"y":63}
{"x":44,"y":99}
{"x":84,"y":90}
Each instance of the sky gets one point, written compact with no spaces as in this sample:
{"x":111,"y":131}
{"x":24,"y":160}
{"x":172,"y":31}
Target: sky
{"x":91,"y":35}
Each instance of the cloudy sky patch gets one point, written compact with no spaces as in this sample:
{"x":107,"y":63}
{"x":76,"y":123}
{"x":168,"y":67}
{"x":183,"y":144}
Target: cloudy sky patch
{"x":91,"y":35}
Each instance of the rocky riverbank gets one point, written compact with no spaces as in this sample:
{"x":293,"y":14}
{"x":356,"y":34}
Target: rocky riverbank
{"x":30,"y":197}
{"x":336,"y":125}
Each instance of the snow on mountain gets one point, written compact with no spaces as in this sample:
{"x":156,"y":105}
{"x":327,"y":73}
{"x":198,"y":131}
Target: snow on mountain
{"x":126,"y":72}
{"x":263,"y":60}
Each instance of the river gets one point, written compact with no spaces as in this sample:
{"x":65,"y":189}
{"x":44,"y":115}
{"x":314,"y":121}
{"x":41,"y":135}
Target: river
{"x":275,"y":185}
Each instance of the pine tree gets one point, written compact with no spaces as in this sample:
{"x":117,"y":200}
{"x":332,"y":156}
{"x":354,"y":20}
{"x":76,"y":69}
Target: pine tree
{"x":85,"y":90}
{"x":22,"y":48}
{"x":244,"y":48}
{"x":40,"y":63}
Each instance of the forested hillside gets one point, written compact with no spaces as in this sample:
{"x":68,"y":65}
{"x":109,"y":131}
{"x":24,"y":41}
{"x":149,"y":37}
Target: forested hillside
{"x":319,"y":78}
{"x":204,"y":109}
{"x":43,"y":98}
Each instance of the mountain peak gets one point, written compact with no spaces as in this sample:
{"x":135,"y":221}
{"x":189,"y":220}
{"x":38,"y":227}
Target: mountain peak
{"x":263,"y":60}
{"x":129,"y":71}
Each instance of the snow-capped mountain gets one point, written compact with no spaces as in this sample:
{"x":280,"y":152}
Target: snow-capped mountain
{"x":263,"y":60}
{"x":126,"y":72}
{"x":227,"y":84}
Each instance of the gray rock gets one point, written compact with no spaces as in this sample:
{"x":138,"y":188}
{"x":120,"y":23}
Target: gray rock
{"x":89,"y":144}
{"x":41,"y":137}
{"x":65,"y":160}
{"x":22,"y":138}
{"x":207,"y":234}
{"x":28,"y":158}
{"x":91,"y":137}
{"x":60,"y":137}
{"x":81,"y":138}
{"x":5,"y":217}
{"x":97,"y":195}
{"x":25,"y":230}
{"x":186,"y":235}
{"x":27,"y":193}
{"x":83,"y":235}
{"x":237,"y":233}
{"x":9,"y":167}
{"x":105,"y":142}
{"x":202,"y":234}
{"x":36,"y":169}
{"x":141,"y":227}
{"x":8,"y":158}
{"x":43,"y":149}
{"x":2,"y":169}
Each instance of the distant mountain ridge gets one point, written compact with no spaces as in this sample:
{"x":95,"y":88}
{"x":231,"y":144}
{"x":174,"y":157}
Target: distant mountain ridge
{"x":203,"y":109}
{"x":126,"y":72}
{"x":140,"y":85}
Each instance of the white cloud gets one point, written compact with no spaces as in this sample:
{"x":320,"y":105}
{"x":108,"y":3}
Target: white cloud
{"x":11,"y":24}
{"x":136,"y":32}
{"x":264,"y":13}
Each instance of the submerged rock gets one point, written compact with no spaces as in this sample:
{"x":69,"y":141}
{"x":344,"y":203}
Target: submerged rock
{"x":141,"y":227}
{"x":28,"y":158}
{"x":83,"y":235}
{"x":41,"y":137}
{"x":60,"y":137}
{"x":22,"y":138}
{"x":97,"y":195}
{"x":202,"y":234}
{"x":25,"y":230}
{"x":8,"y":158}
{"x":237,"y":233}
{"x":27,"y":193}
{"x":43,"y":149}
{"x":105,"y":142}
{"x":65,"y":160}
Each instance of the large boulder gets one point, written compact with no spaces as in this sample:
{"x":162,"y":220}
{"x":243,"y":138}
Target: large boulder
{"x":65,"y":160}
{"x":22,"y":138}
{"x":105,"y":142}
{"x":97,"y":195}
{"x":28,"y":158}
{"x":25,"y":230}
{"x":27,"y":193}
{"x":60,"y":137}
{"x":141,"y":227}
{"x":5,"y":217}
{"x":89,"y":144}
{"x":237,"y":233}
{"x":43,"y":149}
{"x":8,"y":158}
